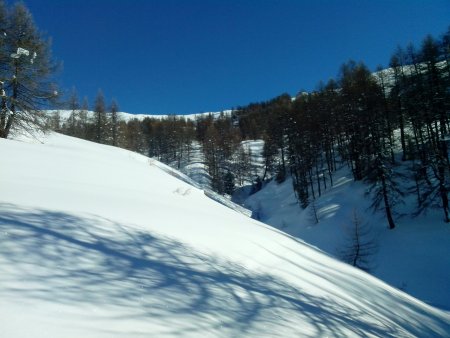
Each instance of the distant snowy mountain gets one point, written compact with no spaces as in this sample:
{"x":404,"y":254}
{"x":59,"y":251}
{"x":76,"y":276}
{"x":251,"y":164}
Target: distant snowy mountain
{"x":65,"y":113}
{"x":99,"y":242}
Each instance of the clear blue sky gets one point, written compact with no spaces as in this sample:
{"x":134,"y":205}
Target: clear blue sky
{"x":189,"y":56}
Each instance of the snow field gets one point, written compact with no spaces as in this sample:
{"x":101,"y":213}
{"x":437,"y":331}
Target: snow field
{"x":101,"y":242}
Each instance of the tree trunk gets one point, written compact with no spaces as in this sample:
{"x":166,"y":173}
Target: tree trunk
{"x":12,"y":116}
{"x":387,"y":207}
{"x":3,"y":113}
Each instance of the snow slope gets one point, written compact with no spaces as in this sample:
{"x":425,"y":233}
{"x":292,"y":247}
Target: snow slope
{"x":414,"y":257}
{"x":100,"y":242}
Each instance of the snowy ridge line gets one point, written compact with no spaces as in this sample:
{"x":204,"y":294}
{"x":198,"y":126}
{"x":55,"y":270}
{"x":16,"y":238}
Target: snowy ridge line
{"x":387,"y":75}
{"x":226,"y":202}
{"x":208,"y":192}
{"x":124,"y":116}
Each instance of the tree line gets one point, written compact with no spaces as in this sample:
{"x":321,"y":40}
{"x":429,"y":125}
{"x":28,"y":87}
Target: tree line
{"x":170,"y":139}
{"x":364,"y":119}
{"x":361,"y":119}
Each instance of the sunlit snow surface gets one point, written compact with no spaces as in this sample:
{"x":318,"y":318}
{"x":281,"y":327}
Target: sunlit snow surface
{"x":101,"y":242}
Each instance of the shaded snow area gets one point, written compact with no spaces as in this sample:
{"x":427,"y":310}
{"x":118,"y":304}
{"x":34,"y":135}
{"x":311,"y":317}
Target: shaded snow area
{"x":414,"y":257}
{"x":195,"y":167}
{"x":101,"y":242}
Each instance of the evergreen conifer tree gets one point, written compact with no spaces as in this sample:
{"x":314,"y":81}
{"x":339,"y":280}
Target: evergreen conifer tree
{"x":26,"y":72}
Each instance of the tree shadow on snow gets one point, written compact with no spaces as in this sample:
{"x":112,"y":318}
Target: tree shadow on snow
{"x":94,"y":261}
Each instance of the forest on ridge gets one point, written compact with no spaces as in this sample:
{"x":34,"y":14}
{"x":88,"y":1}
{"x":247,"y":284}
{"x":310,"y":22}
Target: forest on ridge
{"x":369,"y":121}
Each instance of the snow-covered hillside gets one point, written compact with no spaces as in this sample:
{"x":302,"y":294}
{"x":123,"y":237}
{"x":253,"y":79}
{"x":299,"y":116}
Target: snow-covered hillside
{"x":101,"y":242}
{"x":414,"y":257}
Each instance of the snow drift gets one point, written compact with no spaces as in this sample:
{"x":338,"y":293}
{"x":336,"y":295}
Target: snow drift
{"x":99,"y":242}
